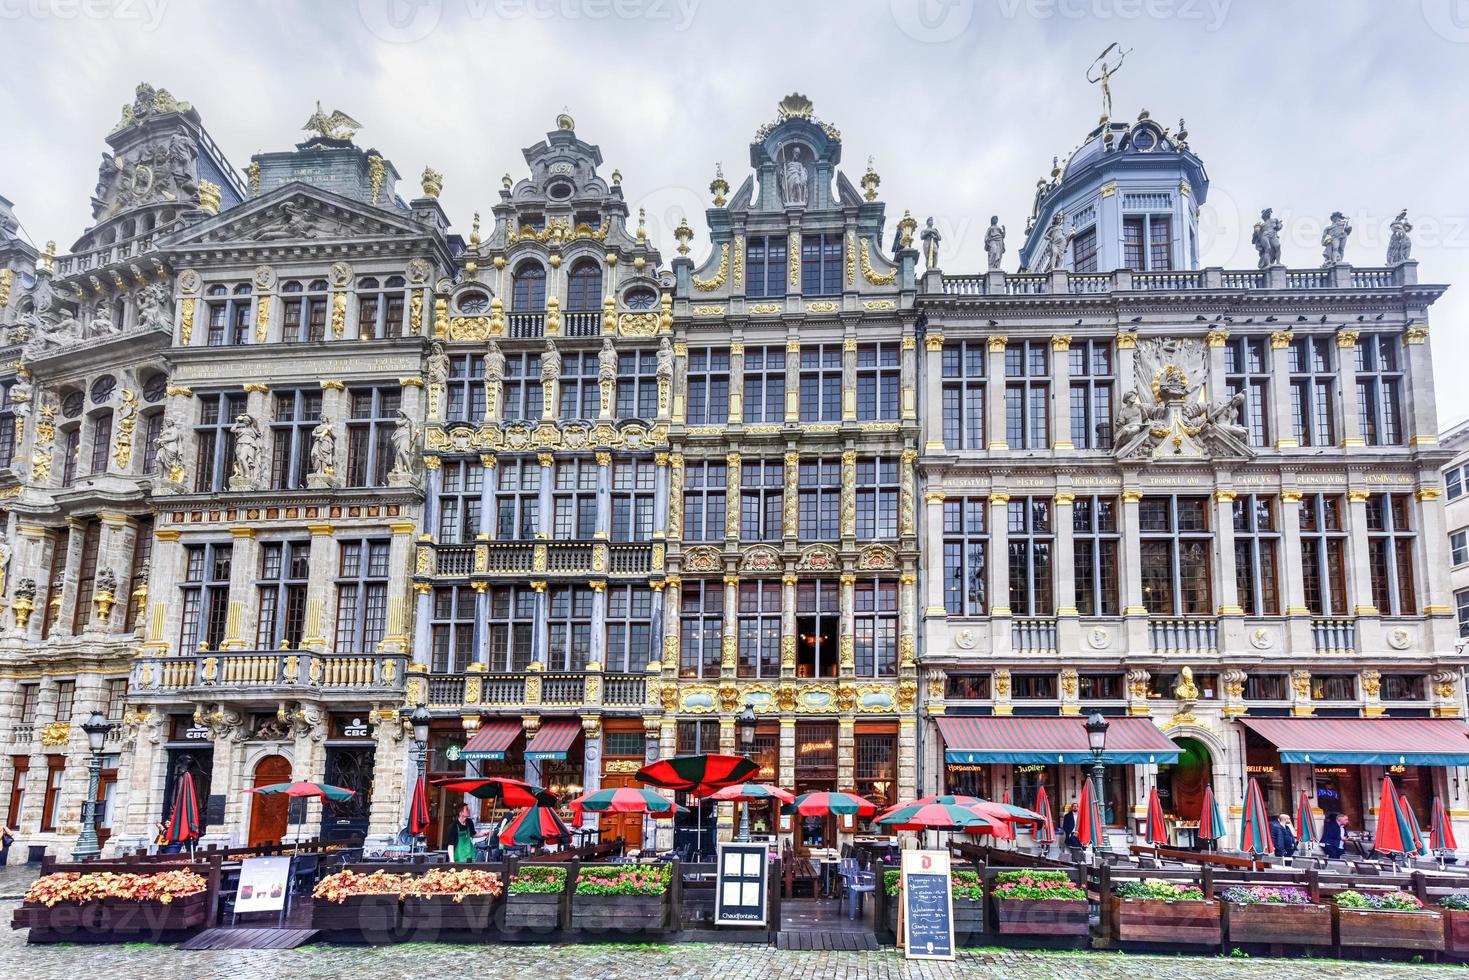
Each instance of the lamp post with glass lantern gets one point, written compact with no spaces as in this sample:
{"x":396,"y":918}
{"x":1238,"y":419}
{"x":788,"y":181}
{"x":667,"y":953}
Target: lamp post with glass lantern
{"x":419,"y":719}
{"x":1096,"y":737}
{"x":96,"y":728}
{"x":746,"y":724}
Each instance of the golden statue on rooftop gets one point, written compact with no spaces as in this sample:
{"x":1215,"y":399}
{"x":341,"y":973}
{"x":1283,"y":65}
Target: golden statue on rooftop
{"x":337,"y":126}
{"x":1101,"y":71}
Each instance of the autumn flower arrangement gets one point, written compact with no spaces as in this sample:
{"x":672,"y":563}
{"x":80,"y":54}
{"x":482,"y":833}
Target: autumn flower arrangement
{"x":538,"y":879}
{"x":624,"y":880}
{"x":457,"y":883}
{"x":1157,"y":890}
{"x":1264,"y":895}
{"x":1034,"y":885}
{"x":1390,"y":901}
{"x":73,"y":886}
{"x":349,"y":884}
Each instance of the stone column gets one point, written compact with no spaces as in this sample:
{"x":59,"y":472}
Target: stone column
{"x":681,"y":378}
{"x":908,"y":619}
{"x":908,"y":376}
{"x":1430,"y":568}
{"x":736,"y":382}
{"x":1068,"y":624}
{"x":1061,"y":392}
{"x":1216,"y":339}
{"x":849,"y":379}
{"x":933,"y":392}
{"x":1280,"y":416}
{"x":32,"y":560}
{"x":848,"y":517}
{"x":793,"y":380}
{"x":239,"y":633}
{"x":729,"y":649}
{"x":732,"y":497}
{"x":847,"y":643}
{"x":788,"y":626}
{"x":591,"y":766}
{"x":165,"y":606}
{"x":1421,"y":423}
{"x":321,"y":589}
{"x":1225,"y":559}
{"x":847,"y":762}
{"x":994,"y":394}
{"x":1359,"y":580}
{"x":933,"y":526}
{"x":999,"y":559}
{"x":1298,"y":626}
{"x":388,"y":813}
{"x":115,"y":554}
{"x":64,"y":592}
{"x":1349,"y":422}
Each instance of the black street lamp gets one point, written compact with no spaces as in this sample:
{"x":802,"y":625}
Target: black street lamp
{"x":420,"y":718}
{"x":96,"y":728}
{"x":746,"y":722}
{"x":1096,"y":737}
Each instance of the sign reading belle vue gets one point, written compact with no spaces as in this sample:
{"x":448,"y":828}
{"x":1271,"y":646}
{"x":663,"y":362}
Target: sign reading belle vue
{"x":740,"y":886}
{"x":928,"y":910}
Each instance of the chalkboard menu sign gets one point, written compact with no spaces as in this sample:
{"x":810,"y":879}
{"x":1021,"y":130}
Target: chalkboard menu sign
{"x":214,"y":810}
{"x":928,"y":909}
{"x":740,"y":887}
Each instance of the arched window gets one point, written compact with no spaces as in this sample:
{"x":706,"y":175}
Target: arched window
{"x":529,"y":295}
{"x":584,"y":288}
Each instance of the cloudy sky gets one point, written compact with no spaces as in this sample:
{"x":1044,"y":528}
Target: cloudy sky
{"x":1303,"y":105}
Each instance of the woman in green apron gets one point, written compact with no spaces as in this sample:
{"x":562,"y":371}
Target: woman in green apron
{"x":464,"y":833}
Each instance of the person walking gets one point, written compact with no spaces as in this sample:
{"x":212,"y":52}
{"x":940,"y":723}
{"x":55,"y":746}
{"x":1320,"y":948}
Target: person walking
{"x":1333,"y":835}
{"x":7,"y":837}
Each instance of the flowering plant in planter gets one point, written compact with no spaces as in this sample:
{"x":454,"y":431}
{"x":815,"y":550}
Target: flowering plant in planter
{"x":1036,"y":885}
{"x":538,"y":879}
{"x":1264,"y":895}
{"x":624,"y":880}
{"x":962,"y":884}
{"x":1390,"y":901}
{"x":1457,"y":902}
{"x":457,"y":883}
{"x":1156,"y":890}
{"x":72,"y":886}
{"x":348,"y":884}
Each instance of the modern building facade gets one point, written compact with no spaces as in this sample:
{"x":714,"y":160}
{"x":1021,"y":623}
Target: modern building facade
{"x":285,"y":458}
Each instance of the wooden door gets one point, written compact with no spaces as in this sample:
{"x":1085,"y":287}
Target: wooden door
{"x":268,"y":813}
{"x":628,"y":826}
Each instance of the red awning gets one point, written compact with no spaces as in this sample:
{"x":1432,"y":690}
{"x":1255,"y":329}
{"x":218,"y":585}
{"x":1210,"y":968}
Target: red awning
{"x":1049,"y":740}
{"x":492,"y":740}
{"x":554,"y":739}
{"x":1366,"y":741}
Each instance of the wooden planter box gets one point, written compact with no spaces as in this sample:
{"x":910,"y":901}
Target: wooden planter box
{"x":1138,"y":920}
{"x":619,"y":913}
{"x":968,"y":921}
{"x":1455,"y":932}
{"x":374,"y":918}
{"x":1042,"y":917}
{"x":533,"y":913}
{"x":425,"y":916}
{"x":1288,"y":925}
{"x":1389,"y":930}
{"x":112,"y":919}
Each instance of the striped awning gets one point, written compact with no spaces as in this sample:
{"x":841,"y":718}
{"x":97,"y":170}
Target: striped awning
{"x":492,"y":740}
{"x":1050,"y":740}
{"x":554,"y":739}
{"x":1366,"y":741}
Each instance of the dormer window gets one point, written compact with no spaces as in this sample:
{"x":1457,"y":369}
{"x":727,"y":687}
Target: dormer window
{"x":536,"y":221}
{"x":765,"y":264}
{"x":584,"y":286}
{"x":475,"y":303}
{"x":1147,"y":243}
{"x":640,"y":299}
{"x":1144,"y":140}
{"x":529,"y":292}
{"x":1084,"y":251}
{"x":559,"y":190}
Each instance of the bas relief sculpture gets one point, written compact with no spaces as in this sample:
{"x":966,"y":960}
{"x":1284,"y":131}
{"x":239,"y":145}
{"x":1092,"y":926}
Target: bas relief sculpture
{"x":1168,"y":416}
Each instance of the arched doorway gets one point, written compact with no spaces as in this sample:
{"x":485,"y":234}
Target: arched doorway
{"x":1181,"y":785}
{"x":268,"y":813}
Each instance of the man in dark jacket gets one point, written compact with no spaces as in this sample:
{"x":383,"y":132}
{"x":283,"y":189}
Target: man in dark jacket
{"x":1068,"y":827}
{"x":1282,"y":841}
{"x":1333,"y":834}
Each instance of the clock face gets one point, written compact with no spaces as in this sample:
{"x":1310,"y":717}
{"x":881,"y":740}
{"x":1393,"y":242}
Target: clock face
{"x":474,"y":304}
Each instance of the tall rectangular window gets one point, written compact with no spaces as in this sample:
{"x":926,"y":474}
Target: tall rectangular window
{"x":1092,"y":384}
{"x":66,"y":699}
{"x":708,"y":386}
{"x":380,"y":305}
{"x":1132,"y":244}
{"x":466,"y":388}
{"x":762,"y":496}
{"x":821,"y":383}
{"x":71,"y":449}
{"x":101,"y":442}
{"x":1147,"y":243}
{"x":574,"y":499}
{"x":1257,"y":554}
{"x":140,"y":568}
{"x":1459,"y":547}
{"x":1095,"y":544}
{"x":569,"y":633}
{"x":704,"y":500}
{"x":152,"y":430}
{"x":1176,"y":539}
{"x":878,"y":374}
{"x":522,"y":387}
{"x":1379,"y":390}
{"x":1324,"y":554}
{"x":759,"y":629}
{"x":206,"y":593}
{"x":765,"y":384}
{"x":818,"y":627}
{"x":451,"y":629}
{"x":1160,"y":242}
{"x":821,"y":264}
{"x":963,"y":369}
{"x":637,"y":384}
{"x":966,"y":538}
{"x":87,"y":575}
{"x":629,"y":627}
{"x":7,"y":423}
{"x":633,"y":481}
{"x":701,"y":628}
{"x":1031,"y":542}
{"x":875,"y":627}
{"x":580,"y":391}
{"x":1084,"y":251}
{"x":765,"y":266}
{"x":1312,"y":390}
{"x":370,"y":427}
{"x":512,"y":626}
{"x":1461,"y":611}
{"x":56,"y":582}
{"x":362,"y":595}
{"x":1247,"y":371}
{"x":461,"y":483}
{"x":517,"y":499}
{"x":1390,"y":537}
{"x":296,"y":415}
{"x":303,"y":311}
{"x":820,"y":499}
{"x":877,"y":498}
{"x":229,"y":314}
{"x":285,"y":568}
{"x":1027,"y":394}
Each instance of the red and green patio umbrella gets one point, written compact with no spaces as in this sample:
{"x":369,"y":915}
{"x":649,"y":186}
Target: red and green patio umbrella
{"x":1157,"y":828}
{"x":418,"y":816}
{"x":1254,"y":829}
{"x":1397,"y":828}
{"x":1211,"y":820}
{"x":943,"y":816}
{"x":510,"y":792}
{"x":535,"y":826}
{"x":306,"y":789}
{"x":699,"y":775}
{"x":838,"y":804}
{"x":1305,"y":821}
{"x":1440,"y":829}
{"x":1008,"y":813}
{"x":1045,"y":831}
{"x":754,"y":792}
{"x":624,"y":800}
{"x":183,"y":823}
{"x":1089,"y":827}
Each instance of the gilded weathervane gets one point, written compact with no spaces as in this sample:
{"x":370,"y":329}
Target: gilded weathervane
{"x":1101,"y":72}
{"x":337,"y":126}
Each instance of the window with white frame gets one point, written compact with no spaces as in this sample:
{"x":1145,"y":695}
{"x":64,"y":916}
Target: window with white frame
{"x":765,"y":384}
{"x":285,"y":569}
{"x":451,"y":628}
{"x":821,"y":383}
{"x":466,"y":388}
{"x":964,"y":368}
{"x":875,"y":627}
{"x":206,"y":594}
{"x":701,"y":628}
{"x":1096,"y":541}
{"x":1247,"y":371}
{"x":1031,"y":544}
{"x":296,"y":414}
{"x":637,"y":384}
{"x":819,"y":499}
{"x":966,"y":541}
{"x":461,"y":484}
{"x":1176,"y":542}
{"x":569,"y":631}
{"x":362,"y":595}
{"x":759,"y":628}
{"x":762,"y":495}
{"x":704,"y":491}
{"x":708,"y":386}
{"x":629,"y":627}
{"x":370,"y":426}
{"x":1257,"y":554}
{"x":877,"y":498}
{"x":304,"y":311}
{"x":1390,"y":541}
{"x":574,"y":499}
{"x":1379,"y":390}
{"x":1313,"y":390}
{"x":215,"y":442}
{"x":512,"y":627}
{"x":878,"y":374}
{"x":380,"y":306}
{"x":1027,"y":394}
{"x":1092,"y":381}
{"x":517,"y":499}
{"x":1324,"y":554}
{"x":633,"y":483}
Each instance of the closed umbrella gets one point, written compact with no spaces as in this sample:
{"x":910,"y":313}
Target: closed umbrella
{"x":1089,"y":827}
{"x":1211,"y":821}
{"x":1409,"y":832}
{"x":1305,"y":822}
{"x":1394,"y":834}
{"x":1045,"y":831}
{"x":1254,"y":832}
{"x":535,"y":826}
{"x":418,"y":817}
{"x":1157,"y":829}
{"x":1440,"y":830}
{"x":183,"y":823}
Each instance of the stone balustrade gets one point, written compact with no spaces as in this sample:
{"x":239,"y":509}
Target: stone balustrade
{"x":1177,"y":281}
{"x":466,"y":690}
{"x":278,"y":673}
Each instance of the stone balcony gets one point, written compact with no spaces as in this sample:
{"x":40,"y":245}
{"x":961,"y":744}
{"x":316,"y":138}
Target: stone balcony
{"x":268,"y":675}
{"x":1212,"y":279}
{"x":543,"y":559}
{"x":589,"y":690}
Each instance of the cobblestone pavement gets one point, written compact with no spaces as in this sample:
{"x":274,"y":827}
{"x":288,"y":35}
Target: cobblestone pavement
{"x":626,"y":962}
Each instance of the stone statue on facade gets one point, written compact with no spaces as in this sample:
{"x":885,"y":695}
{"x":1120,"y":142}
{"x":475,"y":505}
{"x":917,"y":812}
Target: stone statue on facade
{"x":930,"y":237}
{"x":248,"y":441}
{"x":1334,"y":240}
{"x":1166,"y":417}
{"x":494,"y":362}
{"x":436,"y":365}
{"x":994,"y":243}
{"x":1400,"y":245}
{"x":1057,"y":240}
{"x":155,"y":308}
{"x":179,"y":160}
{"x":664,"y":370}
{"x":1226,"y":415}
{"x":405,"y":449}
{"x":1130,"y":420}
{"x":324,"y":448}
{"x":795,"y":183}
{"x":295,"y":223}
{"x":100,"y":323}
{"x":171,"y":450}
{"x":607,"y":362}
{"x":550,"y":363}
{"x":5,"y":553}
{"x":52,"y":330}
{"x":1266,"y":238}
